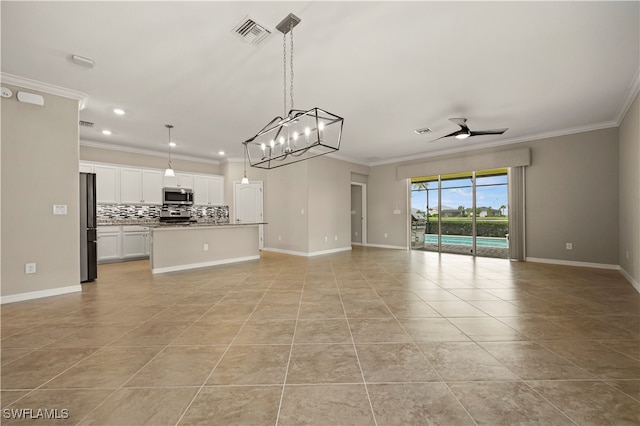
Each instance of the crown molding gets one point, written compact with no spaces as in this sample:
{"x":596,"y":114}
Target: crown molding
{"x":122,"y":148}
{"x":546,"y":135}
{"x":51,"y":89}
{"x":347,"y":159}
{"x":634,"y":89}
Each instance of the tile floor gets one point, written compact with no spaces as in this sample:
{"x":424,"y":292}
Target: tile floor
{"x":370,"y":337}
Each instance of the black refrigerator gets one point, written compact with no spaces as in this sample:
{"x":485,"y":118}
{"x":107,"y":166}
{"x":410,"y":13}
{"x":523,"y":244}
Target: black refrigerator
{"x":88,"y":236}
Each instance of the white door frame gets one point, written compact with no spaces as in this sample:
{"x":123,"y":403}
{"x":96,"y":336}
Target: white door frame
{"x":260,"y":227}
{"x":364,"y":211}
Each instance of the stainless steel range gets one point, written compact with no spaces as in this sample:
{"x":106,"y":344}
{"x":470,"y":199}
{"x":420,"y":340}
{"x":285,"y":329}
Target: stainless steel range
{"x":172,"y":213}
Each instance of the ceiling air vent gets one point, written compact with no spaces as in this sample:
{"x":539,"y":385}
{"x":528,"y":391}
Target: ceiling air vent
{"x":250,"y":31}
{"x":86,"y":124}
{"x":423,"y":130}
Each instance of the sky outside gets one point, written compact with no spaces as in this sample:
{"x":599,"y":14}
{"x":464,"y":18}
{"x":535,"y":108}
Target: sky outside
{"x":458,"y":192}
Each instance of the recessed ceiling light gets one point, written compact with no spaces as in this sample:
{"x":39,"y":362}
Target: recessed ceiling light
{"x":172,"y":144}
{"x":220,"y":152}
{"x":118,"y":111}
{"x":106,"y":132}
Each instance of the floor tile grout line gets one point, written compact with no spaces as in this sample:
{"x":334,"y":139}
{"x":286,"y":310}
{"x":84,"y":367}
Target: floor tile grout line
{"x":99,"y":349}
{"x":353,"y":343}
{"x":141,"y":368}
{"x":224,"y":353}
{"x":293,"y":337}
{"x":550,"y":403}
{"x":426,"y":359}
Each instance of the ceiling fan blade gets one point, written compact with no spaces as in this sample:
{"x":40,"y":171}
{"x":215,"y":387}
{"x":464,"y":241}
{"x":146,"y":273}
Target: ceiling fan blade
{"x":456,"y":133}
{"x":462,"y":122}
{"x":488,"y":132}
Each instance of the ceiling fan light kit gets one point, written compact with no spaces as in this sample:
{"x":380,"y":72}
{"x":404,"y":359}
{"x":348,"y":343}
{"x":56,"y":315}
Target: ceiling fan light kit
{"x":465,"y":132}
{"x":299,"y":134}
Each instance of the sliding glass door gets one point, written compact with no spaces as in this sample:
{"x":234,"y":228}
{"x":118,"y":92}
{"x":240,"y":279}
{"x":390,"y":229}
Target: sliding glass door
{"x":456,"y":214}
{"x":463,"y":213}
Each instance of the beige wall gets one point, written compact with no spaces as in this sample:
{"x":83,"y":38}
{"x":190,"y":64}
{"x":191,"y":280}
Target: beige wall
{"x":572,"y":196}
{"x":39,"y":169}
{"x":385,"y":193}
{"x":329,"y":204}
{"x":629,"y":181}
{"x":308,"y":201}
{"x":286,"y":208}
{"x":89,"y":153}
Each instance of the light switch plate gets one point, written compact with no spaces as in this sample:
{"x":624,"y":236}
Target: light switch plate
{"x":60,"y":209}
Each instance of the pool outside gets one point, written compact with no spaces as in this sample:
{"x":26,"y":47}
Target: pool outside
{"x":467,"y":240}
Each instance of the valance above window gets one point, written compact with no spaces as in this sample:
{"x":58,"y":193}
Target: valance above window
{"x":443,"y":166}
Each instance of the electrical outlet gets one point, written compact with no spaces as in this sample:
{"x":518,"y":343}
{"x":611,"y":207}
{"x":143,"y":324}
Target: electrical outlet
{"x":356,"y":233}
{"x":206,"y":247}
{"x":335,"y":237}
{"x":29,"y":268}
{"x":279,"y":237}
{"x":301,"y":211}
{"x":627,"y":254}
{"x":326,"y":239}
{"x":385,"y":235}
{"x":569,"y":246}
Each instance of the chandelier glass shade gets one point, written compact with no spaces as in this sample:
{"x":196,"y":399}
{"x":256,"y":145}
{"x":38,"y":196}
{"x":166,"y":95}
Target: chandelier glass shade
{"x":298,"y":135}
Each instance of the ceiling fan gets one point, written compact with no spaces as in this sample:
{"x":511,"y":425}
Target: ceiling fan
{"x":465,"y":132}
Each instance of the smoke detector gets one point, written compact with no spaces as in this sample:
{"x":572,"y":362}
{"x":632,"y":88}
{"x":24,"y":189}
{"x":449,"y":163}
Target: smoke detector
{"x":251,"y":31}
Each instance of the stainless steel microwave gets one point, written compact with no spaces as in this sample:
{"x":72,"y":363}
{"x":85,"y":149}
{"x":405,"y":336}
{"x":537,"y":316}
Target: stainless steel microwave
{"x":180,"y":196}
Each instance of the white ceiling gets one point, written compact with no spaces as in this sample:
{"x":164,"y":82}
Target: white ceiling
{"x":538,"y":68}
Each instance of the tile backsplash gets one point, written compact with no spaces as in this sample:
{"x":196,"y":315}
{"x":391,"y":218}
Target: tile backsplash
{"x":131,"y":213}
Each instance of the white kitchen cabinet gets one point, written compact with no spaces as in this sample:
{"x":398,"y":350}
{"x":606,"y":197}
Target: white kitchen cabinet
{"x":140,"y":186}
{"x":116,"y":243}
{"x":107,"y":188}
{"x":152,"y":186}
{"x":208,"y":190}
{"x":109,"y":243}
{"x":180,"y":180}
{"x":134,"y":185}
{"x":135,"y":242}
{"x":130,"y":186}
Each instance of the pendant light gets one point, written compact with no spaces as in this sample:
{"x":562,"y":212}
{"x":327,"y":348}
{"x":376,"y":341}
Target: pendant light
{"x":245,"y":179}
{"x":297,"y":135}
{"x":169,"y":172}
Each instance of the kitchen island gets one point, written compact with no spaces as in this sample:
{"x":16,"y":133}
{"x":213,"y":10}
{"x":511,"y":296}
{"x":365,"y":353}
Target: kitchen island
{"x":177,"y":247}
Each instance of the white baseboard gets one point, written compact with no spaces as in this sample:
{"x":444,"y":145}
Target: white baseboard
{"x":629,"y":278}
{"x":355,"y":244}
{"x":202,"y":264}
{"x":39,"y":294}
{"x":387,"y":246}
{"x":307,"y":254}
{"x":573,"y":263}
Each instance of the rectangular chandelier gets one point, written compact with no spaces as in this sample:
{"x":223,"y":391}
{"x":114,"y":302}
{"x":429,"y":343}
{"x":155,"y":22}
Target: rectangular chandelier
{"x":299,"y":136}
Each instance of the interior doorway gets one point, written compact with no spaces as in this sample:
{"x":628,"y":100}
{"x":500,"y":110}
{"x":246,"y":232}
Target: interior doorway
{"x":248,"y":206}
{"x":358,"y":213}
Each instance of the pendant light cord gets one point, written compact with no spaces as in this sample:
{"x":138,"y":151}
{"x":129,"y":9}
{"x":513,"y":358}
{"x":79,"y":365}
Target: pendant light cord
{"x":284,"y":73}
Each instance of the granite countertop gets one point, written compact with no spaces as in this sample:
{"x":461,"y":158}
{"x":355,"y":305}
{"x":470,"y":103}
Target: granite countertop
{"x":201,"y":224}
{"x":154,"y":223}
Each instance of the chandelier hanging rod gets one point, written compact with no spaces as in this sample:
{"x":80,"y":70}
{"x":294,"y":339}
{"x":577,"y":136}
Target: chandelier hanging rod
{"x":298,"y":134}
